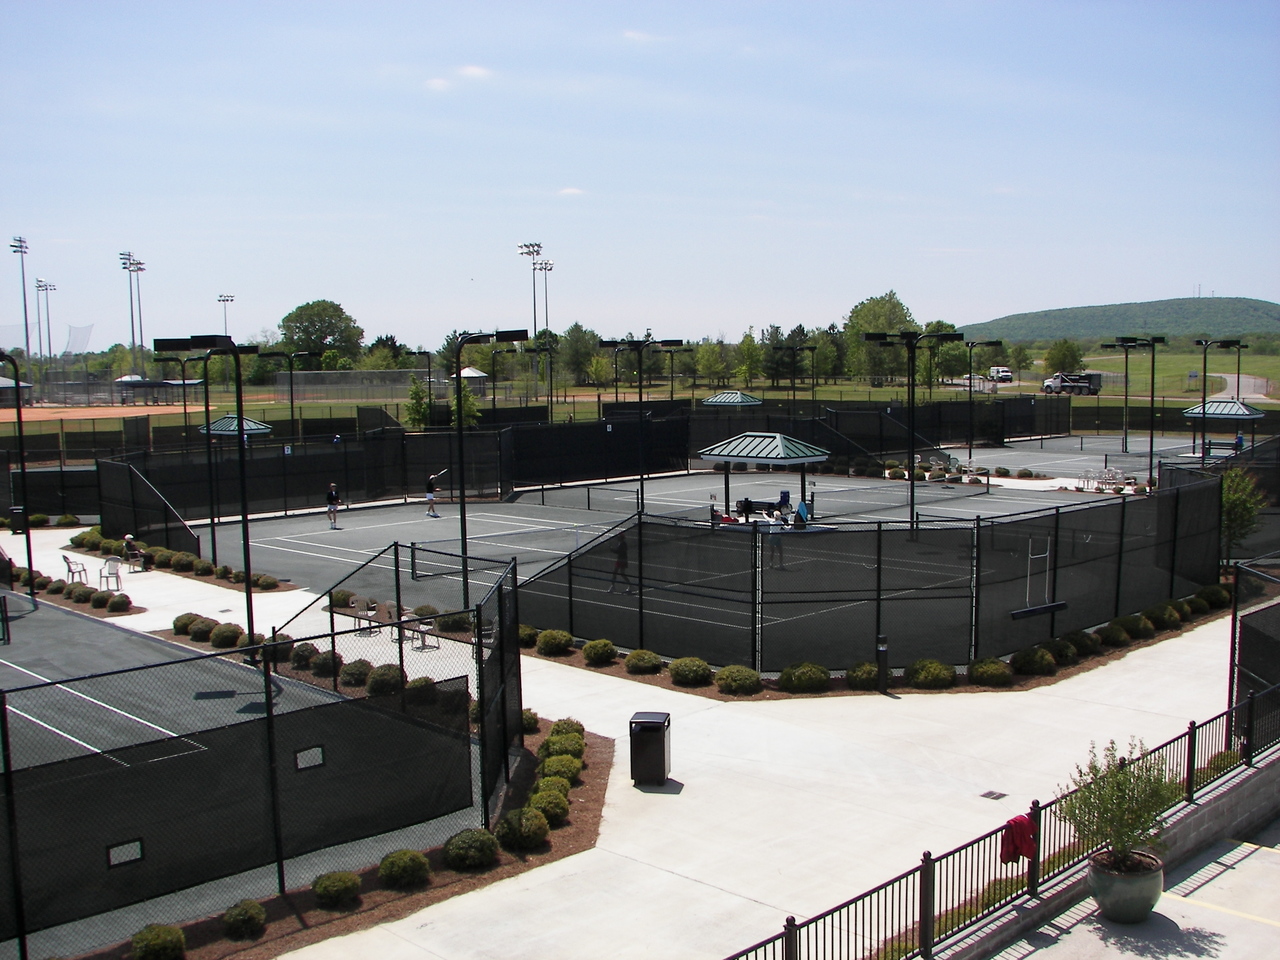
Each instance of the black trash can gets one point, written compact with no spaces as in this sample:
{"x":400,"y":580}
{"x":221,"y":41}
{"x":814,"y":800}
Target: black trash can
{"x":17,"y":520}
{"x":650,"y":748}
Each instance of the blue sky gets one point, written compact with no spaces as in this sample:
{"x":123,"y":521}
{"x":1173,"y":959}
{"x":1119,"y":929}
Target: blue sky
{"x":693,"y":168}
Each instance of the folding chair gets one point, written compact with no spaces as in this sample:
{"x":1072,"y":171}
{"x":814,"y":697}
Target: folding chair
{"x":110,"y":571}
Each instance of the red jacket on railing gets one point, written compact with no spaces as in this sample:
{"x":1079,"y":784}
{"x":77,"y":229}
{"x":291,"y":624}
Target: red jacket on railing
{"x":1018,"y":839}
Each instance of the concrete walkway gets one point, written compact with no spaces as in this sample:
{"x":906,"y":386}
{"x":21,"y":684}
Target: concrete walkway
{"x":790,"y":807}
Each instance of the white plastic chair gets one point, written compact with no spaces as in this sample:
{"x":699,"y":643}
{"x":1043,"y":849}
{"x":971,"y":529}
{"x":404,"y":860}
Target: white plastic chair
{"x":110,"y":571}
{"x":76,"y":572}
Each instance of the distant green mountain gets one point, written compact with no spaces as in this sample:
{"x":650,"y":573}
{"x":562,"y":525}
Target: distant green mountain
{"x":1212,"y":316}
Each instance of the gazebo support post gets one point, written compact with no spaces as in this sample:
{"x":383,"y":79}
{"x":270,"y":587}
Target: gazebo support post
{"x":727,"y":467}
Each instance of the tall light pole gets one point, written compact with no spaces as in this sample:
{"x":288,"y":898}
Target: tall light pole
{"x":671,"y":354}
{"x":638,"y":348}
{"x":224,"y":299}
{"x":1204,"y":388}
{"x":812,"y":350}
{"x":126,"y":261}
{"x":182,"y":366}
{"x":533,"y":251}
{"x":493,"y":374}
{"x":911,"y":340}
{"x":544,"y":267}
{"x":22,"y":469}
{"x":1151,"y":426}
{"x":1239,"y":347}
{"x":44,"y":286}
{"x":972,"y":345}
{"x":136,"y":269}
{"x":1126,"y":346}
{"x":502,"y":336}
{"x":289,"y":358}
{"x":19,"y":246}
{"x":778,"y":348}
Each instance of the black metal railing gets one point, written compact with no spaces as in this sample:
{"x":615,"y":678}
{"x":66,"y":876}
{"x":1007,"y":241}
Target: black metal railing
{"x":910,"y":915}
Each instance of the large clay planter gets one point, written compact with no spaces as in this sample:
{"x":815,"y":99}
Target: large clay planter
{"x":1127,"y":897}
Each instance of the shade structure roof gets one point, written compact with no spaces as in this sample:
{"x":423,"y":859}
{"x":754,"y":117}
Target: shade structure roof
{"x":229,"y":426}
{"x":6,"y":383}
{"x":471,"y":373}
{"x":764,"y":448}
{"x":1223,"y":410}
{"x":733,"y":398}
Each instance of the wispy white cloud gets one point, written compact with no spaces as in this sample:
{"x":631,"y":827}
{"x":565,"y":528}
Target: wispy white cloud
{"x":438,"y":84}
{"x":571,"y":192}
{"x":473,"y":72}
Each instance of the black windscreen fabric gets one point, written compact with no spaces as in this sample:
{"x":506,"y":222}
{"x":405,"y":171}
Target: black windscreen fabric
{"x":374,"y":771}
{"x":1088,"y":556}
{"x":1142,"y":581}
{"x":490,"y":693}
{"x":544,"y":600}
{"x":1258,"y":656}
{"x":1017,"y":573}
{"x":159,"y":797}
{"x":697,"y":591}
{"x":601,"y":606}
{"x":819,"y":604}
{"x":926,"y":594}
{"x":1197,"y":536}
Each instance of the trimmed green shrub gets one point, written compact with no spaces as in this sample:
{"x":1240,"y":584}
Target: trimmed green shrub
{"x":354,"y":674}
{"x":1086,"y":644}
{"x":1136,"y":626}
{"x":553,"y":805}
{"x":425,"y":610}
{"x":567,"y":725}
{"x":738,"y":680}
{"x":183,"y":562}
{"x":300,"y":658}
{"x":1002,"y":471}
{"x":642,"y":661}
{"x":1034,"y":662}
{"x":163,"y":558}
{"x":250,"y":640}
{"x":1063,"y":651}
{"x":68,"y":520}
{"x":455,"y":701}
{"x":931,"y":675}
{"x":471,"y":850}
{"x":157,"y":941}
{"x":237,"y":576}
{"x":523,"y":829}
{"x":83,"y":593}
{"x":804,"y":678}
{"x":991,"y":673}
{"x":1183,"y":609}
{"x":1025,"y":474}
{"x":454,"y":623}
{"x":225,"y":635}
{"x":280,"y":649}
{"x":268,"y":583}
{"x":690,"y":672}
{"x":92,"y":541}
{"x":553,"y":643}
{"x":863,"y":676}
{"x":1113,"y":636}
{"x":384,"y":680}
{"x":599,"y":653}
{"x":326,"y":663}
{"x":896,"y":473}
{"x":246,"y":920}
{"x":421,"y":691}
{"x":60,"y":585}
{"x":1198,"y":606}
{"x":529,"y":720}
{"x":339,"y":599}
{"x":1163,"y":617}
{"x":404,"y":869}
{"x":337,"y":890}
{"x":223,"y":572}
{"x":42,"y":582}
{"x":557,"y":784}
{"x":528,"y":634}
{"x":38,"y":520}
{"x":182,"y":623}
{"x":119,"y":603}
{"x":202,"y":568}
{"x":564,"y":745}
{"x":568,"y":767}
{"x":1215,"y":595}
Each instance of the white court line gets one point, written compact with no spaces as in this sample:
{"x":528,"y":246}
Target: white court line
{"x":62,"y":733}
{"x":84,"y":696}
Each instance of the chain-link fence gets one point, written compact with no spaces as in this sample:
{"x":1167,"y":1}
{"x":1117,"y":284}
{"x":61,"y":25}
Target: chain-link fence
{"x":312,"y":753}
{"x":955,"y":591}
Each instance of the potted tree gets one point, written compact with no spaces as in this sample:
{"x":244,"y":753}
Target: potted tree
{"x":1118,"y":803}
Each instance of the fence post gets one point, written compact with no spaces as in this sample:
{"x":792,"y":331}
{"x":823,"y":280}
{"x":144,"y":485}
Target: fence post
{"x":975,"y":585}
{"x":1173,"y":544}
{"x":790,"y":940}
{"x":926,"y":905}
{"x":568,"y":589}
{"x":11,"y":817}
{"x":1033,"y":866}
{"x":879,"y":570}
{"x":1191,"y":761}
{"x":273,"y":776}
{"x":1120,"y":559}
{"x":756,"y":652}
{"x":333,"y":644}
{"x":404,"y":677}
{"x":640,"y":577}
{"x":1248,"y":731}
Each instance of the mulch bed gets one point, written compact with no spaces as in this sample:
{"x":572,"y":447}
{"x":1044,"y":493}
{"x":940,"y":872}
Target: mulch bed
{"x":62,"y":600}
{"x":225,"y":584}
{"x":896,"y":684}
{"x":294,"y":920}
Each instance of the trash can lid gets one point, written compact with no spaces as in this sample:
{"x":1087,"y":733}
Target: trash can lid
{"x":648,"y":717}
